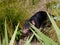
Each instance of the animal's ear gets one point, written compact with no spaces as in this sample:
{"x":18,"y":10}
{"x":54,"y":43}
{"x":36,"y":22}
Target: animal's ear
{"x":33,"y":22}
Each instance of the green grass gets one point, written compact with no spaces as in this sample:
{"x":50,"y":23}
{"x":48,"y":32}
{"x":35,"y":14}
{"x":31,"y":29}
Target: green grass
{"x":55,"y":27}
{"x":6,"y":36}
{"x":14,"y":35}
{"x":13,"y":9}
{"x":42,"y":37}
{"x":29,"y":40}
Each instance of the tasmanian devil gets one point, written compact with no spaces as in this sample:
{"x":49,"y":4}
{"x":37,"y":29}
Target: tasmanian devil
{"x":37,"y":20}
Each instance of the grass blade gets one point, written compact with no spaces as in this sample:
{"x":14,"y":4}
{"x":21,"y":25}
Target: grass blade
{"x":29,"y":40}
{"x":45,"y":39}
{"x":55,"y":27}
{"x":6,"y":36}
{"x":0,"y":40}
{"x":3,"y":41}
{"x":38,"y":37}
{"x":13,"y":37}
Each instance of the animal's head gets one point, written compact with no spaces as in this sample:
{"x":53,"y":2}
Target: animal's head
{"x":26,"y":27}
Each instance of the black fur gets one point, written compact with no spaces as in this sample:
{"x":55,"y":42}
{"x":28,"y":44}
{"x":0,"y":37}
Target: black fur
{"x":38,"y":18}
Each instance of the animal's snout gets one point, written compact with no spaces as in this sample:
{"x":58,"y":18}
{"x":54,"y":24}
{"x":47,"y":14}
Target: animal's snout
{"x":25,"y":31}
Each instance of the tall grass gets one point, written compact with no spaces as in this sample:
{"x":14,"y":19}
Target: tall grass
{"x":14,"y":35}
{"x":5,"y":39}
{"x":54,"y":6}
{"x":6,"y":36}
{"x":15,"y":11}
{"x":55,"y":27}
{"x":42,"y":37}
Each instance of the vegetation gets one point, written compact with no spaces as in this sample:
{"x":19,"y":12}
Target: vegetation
{"x":13,"y":14}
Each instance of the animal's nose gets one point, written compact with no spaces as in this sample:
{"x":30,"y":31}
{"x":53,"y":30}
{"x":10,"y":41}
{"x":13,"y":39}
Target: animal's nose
{"x":24,"y":31}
